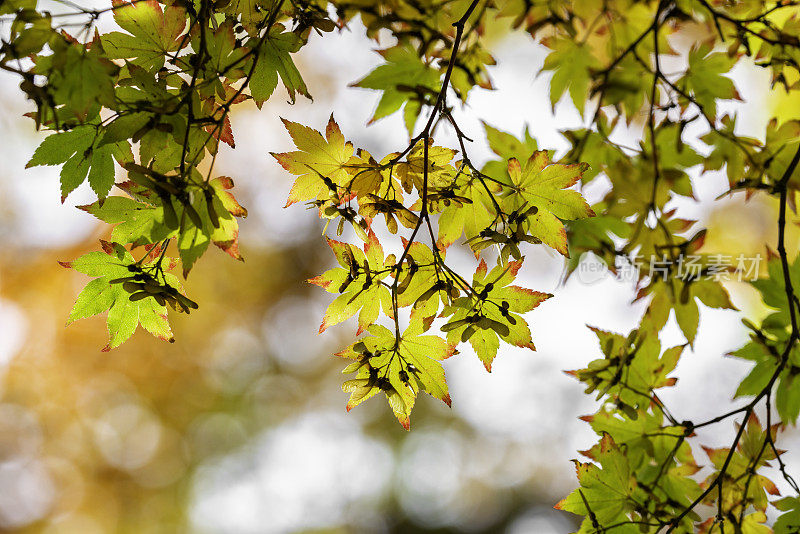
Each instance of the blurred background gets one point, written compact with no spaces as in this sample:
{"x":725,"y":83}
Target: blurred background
{"x":240,"y":427}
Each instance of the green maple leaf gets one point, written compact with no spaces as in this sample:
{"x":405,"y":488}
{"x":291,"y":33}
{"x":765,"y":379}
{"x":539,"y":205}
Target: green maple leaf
{"x":274,"y":60}
{"x":398,"y":78}
{"x":359,"y":280}
{"x":627,"y":87}
{"x":493,"y":312}
{"x":399,"y":368}
{"x":224,"y":57}
{"x":645,"y":440}
{"x":606,"y":486}
{"x":83,"y":155}
{"x":739,"y":490}
{"x":727,"y":152}
{"x":153,"y":32}
{"x":539,"y":191}
{"x":216,"y":223}
{"x":789,"y":521}
{"x":320,"y":163}
{"x":210,"y":217}
{"x":776,"y":326}
{"x":506,"y":146}
{"x":80,"y":79}
{"x":594,"y":234}
{"x":631,"y":365}
{"x":8,"y":7}
{"x":252,"y":12}
{"x":134,"y":222}
{"x":572,"y":63}
{"x":682,"y":296}
{"x":421,"y":283}
{"x":128,"y":303}
{"x":705,"y":81}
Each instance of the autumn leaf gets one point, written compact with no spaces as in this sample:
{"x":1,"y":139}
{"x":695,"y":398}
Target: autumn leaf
{"x":320,"y":163}
{"x":540,"y":192}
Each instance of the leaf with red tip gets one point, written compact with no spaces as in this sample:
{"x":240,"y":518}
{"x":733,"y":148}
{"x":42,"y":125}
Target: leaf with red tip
{"x":493,"y":313}
{"x":359,"y":282}
{"x":115,"y":269}
{"x":541,"y":196}
{"x":319,"y":164}
{"x":399,"y":368}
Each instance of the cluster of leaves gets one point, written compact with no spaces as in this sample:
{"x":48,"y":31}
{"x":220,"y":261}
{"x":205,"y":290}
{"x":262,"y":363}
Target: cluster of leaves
{"x":154,"y":99}
{"x":528,"y":204}
{"x":152,"y":102}
{"x":609,"y":58}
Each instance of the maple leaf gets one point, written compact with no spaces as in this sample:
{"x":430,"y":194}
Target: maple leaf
{"x":134,"y":222}
{"x":153,"y":32}
{"x":403,"y":73}
{"x":631,"y":365}
{"x":788,"y":522}
{"x":572,"y":63}
{"x":539,"y":192}
{"x":606,"y":486}
{"x":727,"y":150}
{"x":704,"y":78}
{"x":209,"y":217}
{"x":320,"y":163}
{"x":506,"y":146}
{"x":682,"y":296}
{"x":359,"y":280}
{"x":411,"y":172}
{"x":252,"y":12}
{"x":493,"y":312}
{"x":398,"y":367}
{"x":83,"y":156}
{"x":421,"y":282}
{"x":274,"y":60}
{"x":134,"y":293}
{"x":83,"y":79}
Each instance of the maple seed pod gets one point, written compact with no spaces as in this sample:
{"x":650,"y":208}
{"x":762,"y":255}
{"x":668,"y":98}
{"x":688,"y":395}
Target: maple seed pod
{"x":173,"y":303}
{"x":170,"y":217}
{"x":346,"y":283}
{"x":212,"y":212}
{"x":187,"y":302}
{"x":453,"y":325}
{"x":405,"y":283}
{"x":193,"y":215}
{"x":132,"y":287}
{"x":467,"y":333}
{"x":684,"y":298}
{"x":384,"y":383}
{"x":598,"y":365}
{"x":152,"y":288}
{"x":138,"y":296}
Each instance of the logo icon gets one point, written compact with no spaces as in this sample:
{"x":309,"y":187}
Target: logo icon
{"x":590,"y":269}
